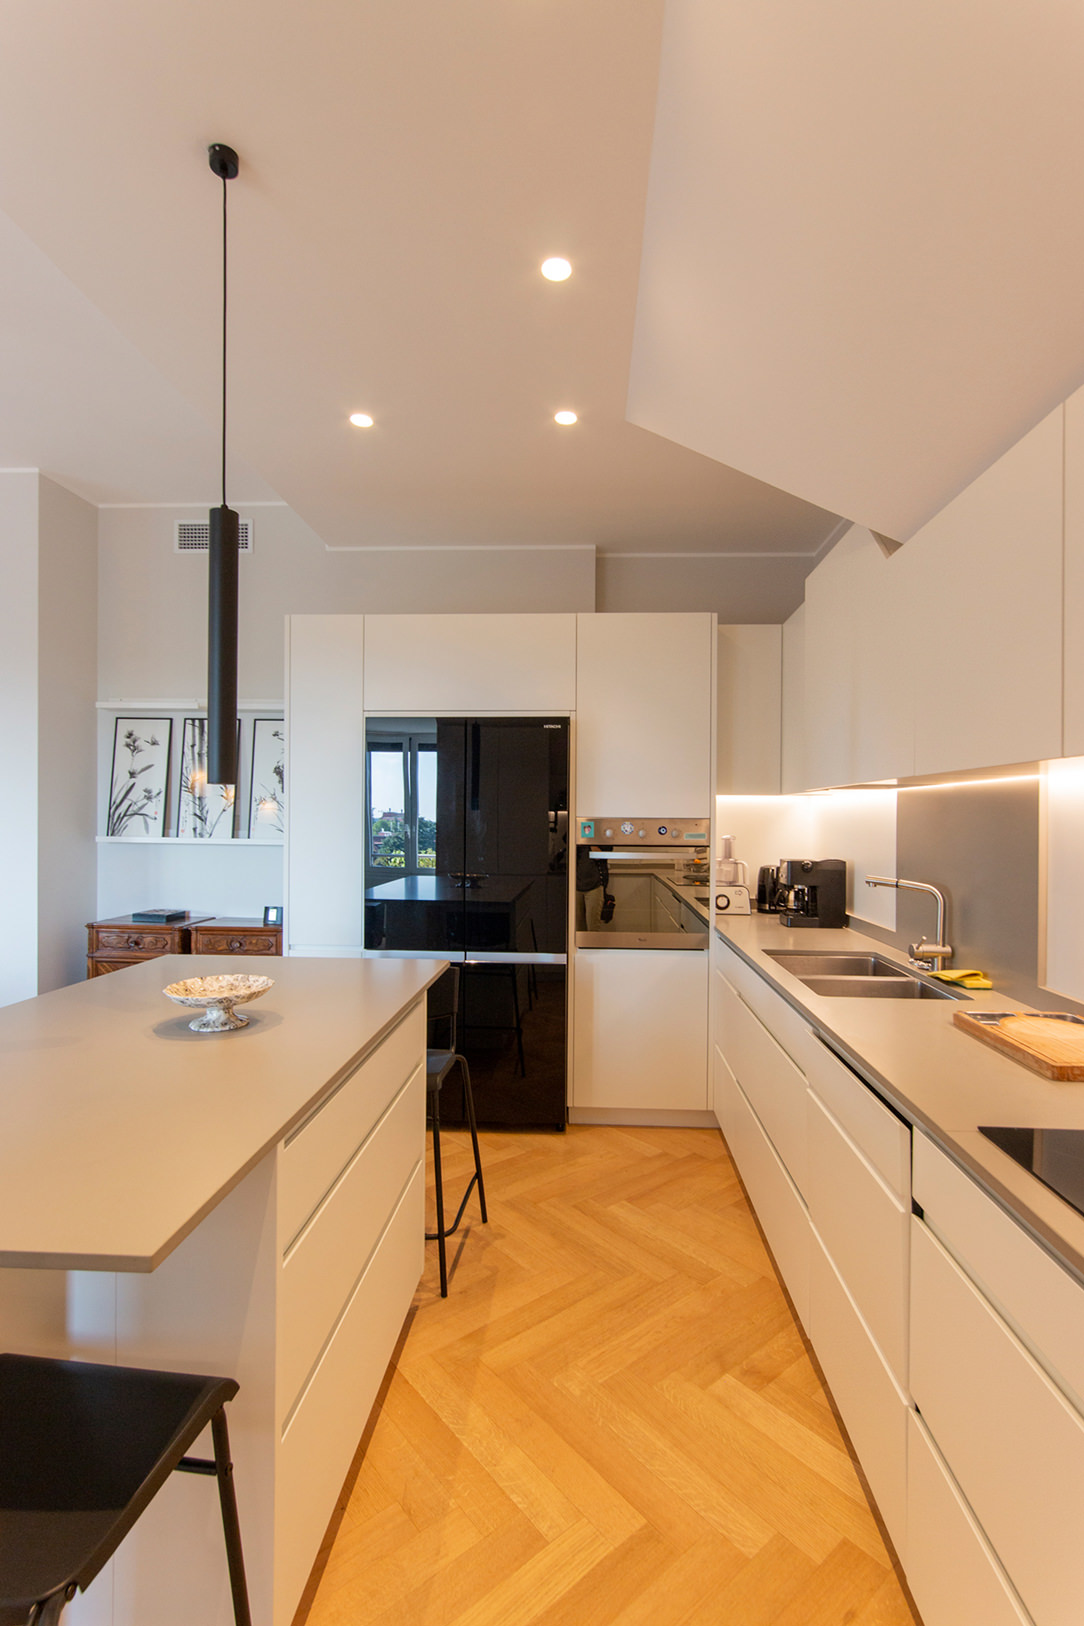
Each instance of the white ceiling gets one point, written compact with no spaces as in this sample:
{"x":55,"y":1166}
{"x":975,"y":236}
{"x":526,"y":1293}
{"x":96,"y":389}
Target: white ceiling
{"x":861,"y":277}
{"x":864,"y":250}
{"x":406,"y":165}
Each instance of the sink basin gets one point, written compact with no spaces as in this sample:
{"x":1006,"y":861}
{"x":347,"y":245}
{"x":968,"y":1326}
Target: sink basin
{"x":810,"y":963}
{"x":877,"y":987}
{"x":845,"y":975}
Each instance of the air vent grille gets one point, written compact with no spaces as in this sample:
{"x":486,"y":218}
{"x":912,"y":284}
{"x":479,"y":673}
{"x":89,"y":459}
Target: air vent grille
{"x":194,"y":536}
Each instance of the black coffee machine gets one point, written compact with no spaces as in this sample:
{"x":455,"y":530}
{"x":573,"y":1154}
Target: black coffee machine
{"x":814,"y":892}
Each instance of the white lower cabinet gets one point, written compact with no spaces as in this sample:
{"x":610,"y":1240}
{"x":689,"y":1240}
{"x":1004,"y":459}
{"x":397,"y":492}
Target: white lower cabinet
{"x":952,"y":1571}
{"x":1014,"y":1444}
{"x":865,"y":1227}
{"x":771,"y":1082}
{"x":950,"y":1339}
{"x":776,"y":1200}
{"x":870,"y":1402}
{"x":640,"y":1033}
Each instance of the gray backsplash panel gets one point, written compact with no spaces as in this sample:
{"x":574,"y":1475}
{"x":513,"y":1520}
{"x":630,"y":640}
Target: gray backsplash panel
{"x":980,"y":844}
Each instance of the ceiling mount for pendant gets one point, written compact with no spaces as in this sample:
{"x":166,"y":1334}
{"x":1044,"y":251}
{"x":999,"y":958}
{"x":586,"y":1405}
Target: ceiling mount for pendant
{"x":222,"y":563}
{"x":223,"y":161}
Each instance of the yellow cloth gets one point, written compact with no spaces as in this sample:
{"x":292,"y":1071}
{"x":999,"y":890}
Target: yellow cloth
{"x":964,"y":979}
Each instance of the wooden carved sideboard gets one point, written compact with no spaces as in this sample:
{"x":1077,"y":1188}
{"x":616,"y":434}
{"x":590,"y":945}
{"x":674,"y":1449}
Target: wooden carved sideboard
{"x":113,"y":944}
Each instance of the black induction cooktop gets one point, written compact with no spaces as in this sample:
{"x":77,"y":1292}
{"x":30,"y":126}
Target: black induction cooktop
{"x":1054,"y":1156}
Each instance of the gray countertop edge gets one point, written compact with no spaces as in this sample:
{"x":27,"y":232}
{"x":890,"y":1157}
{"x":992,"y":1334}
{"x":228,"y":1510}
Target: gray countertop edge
{"x":1053,"y":1222}
{"x":276,"y":1129}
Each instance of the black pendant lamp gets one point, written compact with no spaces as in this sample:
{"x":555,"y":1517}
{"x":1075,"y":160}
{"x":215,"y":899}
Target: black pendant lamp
{"x":222,"y":579}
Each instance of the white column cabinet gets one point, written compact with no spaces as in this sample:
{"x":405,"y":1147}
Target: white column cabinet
{"x":448,"y":663}
{"x":325,"y":792}
{"x":644,"y":714}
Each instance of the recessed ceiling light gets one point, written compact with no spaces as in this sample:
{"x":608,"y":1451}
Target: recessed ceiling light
{"x":361,"y":420}
{"x":564,"y":417}
{"x":556,"y":269}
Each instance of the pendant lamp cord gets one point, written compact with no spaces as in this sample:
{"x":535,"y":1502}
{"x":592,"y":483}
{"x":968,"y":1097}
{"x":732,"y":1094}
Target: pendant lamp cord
{"x":224,"y":267}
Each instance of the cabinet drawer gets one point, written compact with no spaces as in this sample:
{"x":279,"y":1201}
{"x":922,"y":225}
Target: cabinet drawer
{"x":322,"y":1266}
{"x":866,"y":1230}
{"x":951,"y":1569}
{"x":322,"y":1434}
{"x":776,"y":1202}
{"x":100,"y":968}
{"x":134,"y":942}
{"x":772,"y":1083}
{"x":883,"y":1139}
{"x":318,"y":1150}
{"x":1011,"y":1440}
{"x":789,"y":1030}
{"x":873,"y":1409}
{"x":1042,"y":1303}
{"x":235,"y":942}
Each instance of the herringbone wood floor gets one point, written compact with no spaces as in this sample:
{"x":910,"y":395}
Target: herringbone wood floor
{"x":611,"y":1421}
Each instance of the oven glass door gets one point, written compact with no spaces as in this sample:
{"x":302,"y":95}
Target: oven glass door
{"x":641,"y":906}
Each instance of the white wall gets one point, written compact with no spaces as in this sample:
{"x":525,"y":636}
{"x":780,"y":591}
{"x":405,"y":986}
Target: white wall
{"x":858,"y":825}
{"x":737,"y":587}
{"x":67,"y":742}
{"x":153,"y":601}
{"x":19,"y":732}
{"x":47,"y":732}
{"x":227,"y":878}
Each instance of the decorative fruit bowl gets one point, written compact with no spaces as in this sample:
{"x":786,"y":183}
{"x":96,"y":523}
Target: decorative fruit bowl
{"x":216,"y":997}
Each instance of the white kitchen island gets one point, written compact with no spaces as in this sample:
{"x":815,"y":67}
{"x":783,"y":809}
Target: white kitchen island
{"x":248,"y":1204}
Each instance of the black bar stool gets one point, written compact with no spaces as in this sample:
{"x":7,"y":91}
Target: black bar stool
{"x":442,"y":1009}
{"x":83,"y":1450}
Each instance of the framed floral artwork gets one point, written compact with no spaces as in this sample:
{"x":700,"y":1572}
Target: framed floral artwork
{"x":206,"y":811}
{"x":267,"y":801}
{"x":140,"y":776}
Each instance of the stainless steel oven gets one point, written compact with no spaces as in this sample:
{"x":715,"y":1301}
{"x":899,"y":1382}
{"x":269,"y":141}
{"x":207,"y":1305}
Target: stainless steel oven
{"x":636,"y":880}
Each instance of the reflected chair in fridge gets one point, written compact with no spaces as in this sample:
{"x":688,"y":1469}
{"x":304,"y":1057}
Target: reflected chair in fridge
{"x":442,"y":1013}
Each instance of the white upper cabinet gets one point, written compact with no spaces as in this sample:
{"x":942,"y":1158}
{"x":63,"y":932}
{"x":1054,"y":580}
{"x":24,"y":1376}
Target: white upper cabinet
{"x":858,"y":689}
{"x":983,"y":600}
{"x":1073,"y":745}
{"x":749,"y":710}
{"x":947,"y":653}
{"x":644,"y":714}
{"x":451,"y":663}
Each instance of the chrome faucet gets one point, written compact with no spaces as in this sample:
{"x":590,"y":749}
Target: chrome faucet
{"x":924,"y":956}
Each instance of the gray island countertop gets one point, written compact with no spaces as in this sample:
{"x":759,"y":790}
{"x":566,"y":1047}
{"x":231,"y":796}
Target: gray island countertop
{"x":120,"y":1129}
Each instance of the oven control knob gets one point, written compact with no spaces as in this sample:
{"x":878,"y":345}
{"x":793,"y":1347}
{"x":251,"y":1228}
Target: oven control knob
{"x":626,"y":827}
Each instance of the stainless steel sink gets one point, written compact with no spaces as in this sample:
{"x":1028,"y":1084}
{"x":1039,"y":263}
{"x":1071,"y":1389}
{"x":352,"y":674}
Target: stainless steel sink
{"x":905,"y":987}
{"x":810,"y":963}
{"x":844,"y":975}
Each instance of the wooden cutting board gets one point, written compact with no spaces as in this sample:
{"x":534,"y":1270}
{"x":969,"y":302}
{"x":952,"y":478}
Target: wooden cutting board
{"x":1049,"y":1042}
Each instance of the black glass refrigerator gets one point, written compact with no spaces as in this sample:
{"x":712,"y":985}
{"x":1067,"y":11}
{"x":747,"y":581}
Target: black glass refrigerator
{"x":467,"y":859}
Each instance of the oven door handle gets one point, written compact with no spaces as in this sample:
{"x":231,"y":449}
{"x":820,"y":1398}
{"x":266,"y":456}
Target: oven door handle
{"x":641,"y":853}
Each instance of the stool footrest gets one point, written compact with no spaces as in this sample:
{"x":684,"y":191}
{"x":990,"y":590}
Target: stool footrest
{"x":435,"y":1236}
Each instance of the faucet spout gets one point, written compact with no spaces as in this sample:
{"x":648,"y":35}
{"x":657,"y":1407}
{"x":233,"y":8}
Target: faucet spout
{"x":927,"y":956}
